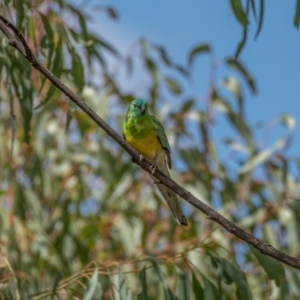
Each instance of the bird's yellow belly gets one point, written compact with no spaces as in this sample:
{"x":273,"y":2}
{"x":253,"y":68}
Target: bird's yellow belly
{"x":149,"y":146}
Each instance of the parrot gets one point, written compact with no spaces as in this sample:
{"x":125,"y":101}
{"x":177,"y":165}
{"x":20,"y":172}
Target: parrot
{"x":147,"y":136}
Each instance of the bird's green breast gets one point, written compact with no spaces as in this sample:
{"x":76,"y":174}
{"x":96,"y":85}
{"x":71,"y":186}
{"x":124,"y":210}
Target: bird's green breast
{"x":141,"y":135}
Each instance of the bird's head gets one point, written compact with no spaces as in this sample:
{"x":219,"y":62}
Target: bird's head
{"x":138,"y":108}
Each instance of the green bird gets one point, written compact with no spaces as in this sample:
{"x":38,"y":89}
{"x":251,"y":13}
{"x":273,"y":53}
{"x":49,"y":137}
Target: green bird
{"x":147,"y":136}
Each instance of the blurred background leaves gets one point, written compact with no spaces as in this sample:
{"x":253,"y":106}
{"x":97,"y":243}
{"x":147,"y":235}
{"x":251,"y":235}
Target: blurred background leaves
{"x":79,"y":220}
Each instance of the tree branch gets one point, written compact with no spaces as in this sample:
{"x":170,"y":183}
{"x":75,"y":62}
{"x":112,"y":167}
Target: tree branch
{"x":11,"y":33}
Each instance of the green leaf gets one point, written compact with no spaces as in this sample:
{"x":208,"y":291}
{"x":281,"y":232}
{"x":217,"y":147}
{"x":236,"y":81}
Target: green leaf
{"x":272,"y":267}
{"x":112,"y":12}
{"x":182,"y":290}
{"x":92,"y":291}
{"x":297,"y":14}
{"x":122,"y":284}
{"x":210,"y":290}
{"x":218,"y":265}
{"x":56,"y":69}
{"x":163,"y":54}
{"x":167,"y":292}
{"x":288,"y":121}
{"x":26,"y":101}
{"x":252,"y":2}
{"x":230,"y":273}
{"x":241,"y":126}
{"x":238,"y":66}
{"x":151,"y":66}
{"x":186,"y":106}
{"x":261,"y":18}
{"x":197,"y":288}
{"x":24,"y":293}
{"x":58,"y":277}
{"x":104,"y":45}
{"x":260,"y":158}
{"x":83,"y":27}
{"x":47,"y":27}
{"x":239,"y":12}
{"x":232,"y":84}
{"x":77,"y":71}
{"x":220,"y":103}
{"x":144,"y":293}
{"x":242,"y":42}
{"x":199,"y":49}
{"x":20,"y":9}
{"x":173,"y":86}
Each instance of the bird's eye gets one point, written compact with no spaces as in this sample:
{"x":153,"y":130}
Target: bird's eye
{"x":134,"y":105}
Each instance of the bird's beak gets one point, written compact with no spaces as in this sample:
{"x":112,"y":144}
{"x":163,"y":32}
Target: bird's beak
{"x":143,"y":109}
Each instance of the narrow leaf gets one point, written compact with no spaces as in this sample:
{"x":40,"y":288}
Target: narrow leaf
{"x":58,"y":277}
{"x":260,"y":158}
{"x":181,"y":285}
{"x":261,"y":17}
{"x":122,"y":285}
{"x":167,"y":292}
{"x":297,"y":14}
{"x":239,"y":12}
{"x":144,"y":293}
{"x":252,"y":2}
{"x":163,"y":54}
{"x":47,"y":26}
{"x":173,"y":86}
{"x":210,"y":290}
{"x":197,"y":288}
{"x":77,"y":71}
{"x":240,"y":68}
{"x":89,"y":293}
{"x":200,"y":49}
{"x":242,"y":42}
{"x":272,"y":267}
{"x":232,"y":84}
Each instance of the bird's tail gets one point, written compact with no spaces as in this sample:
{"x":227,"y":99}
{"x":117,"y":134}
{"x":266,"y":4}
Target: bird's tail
{"x":169,"y":195}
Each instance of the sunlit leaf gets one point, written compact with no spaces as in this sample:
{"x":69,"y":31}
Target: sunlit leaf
{"x":233,"y":86}
{"x":92,"y":291}
{"x":122,"y":285}
{"x":260,"y":157}
{"x":288,"y":121}
{"x":238,"y":66}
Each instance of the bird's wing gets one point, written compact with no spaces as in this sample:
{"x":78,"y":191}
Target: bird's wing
{"x":162,"y":137}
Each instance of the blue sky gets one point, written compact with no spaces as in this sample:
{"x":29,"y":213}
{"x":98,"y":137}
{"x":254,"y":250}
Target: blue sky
{"x":273,"y":58}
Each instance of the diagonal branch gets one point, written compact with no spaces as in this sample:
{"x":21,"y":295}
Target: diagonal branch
{"x":11,"y":32}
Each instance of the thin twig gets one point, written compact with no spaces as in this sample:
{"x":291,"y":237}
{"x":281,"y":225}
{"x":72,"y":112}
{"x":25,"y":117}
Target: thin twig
{"x":6,"y":27}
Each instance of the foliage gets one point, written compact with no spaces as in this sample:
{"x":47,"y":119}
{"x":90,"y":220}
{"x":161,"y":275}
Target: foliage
{"x":78,"y":219}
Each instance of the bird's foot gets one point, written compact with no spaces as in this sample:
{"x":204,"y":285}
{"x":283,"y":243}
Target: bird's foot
{"x":157,"y":182}
{"x":135,"y":161}
{"x":153,"y":169}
